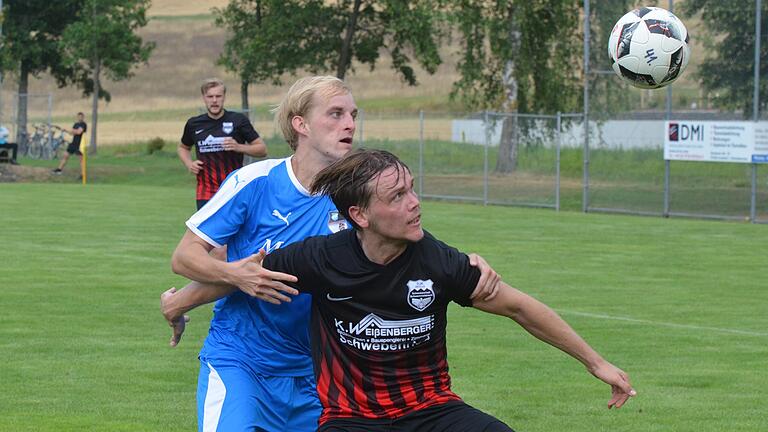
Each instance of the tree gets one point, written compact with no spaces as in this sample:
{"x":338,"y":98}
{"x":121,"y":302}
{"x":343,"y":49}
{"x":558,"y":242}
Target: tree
{"x":104,"y":43}
{"x":517,"y":56}
{"x":728,"y":70}
{"x":402,"y":27}
{"x":269,"y":38}
{"x":32,"y":30}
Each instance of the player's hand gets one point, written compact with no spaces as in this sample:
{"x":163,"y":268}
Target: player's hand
{"x":256,"y":281}
{"x":230,"y":144}
{"x":488,"y":285}
{"x":177,"y":322}
{"x":621,"y":388}
{"x":195,"y":167}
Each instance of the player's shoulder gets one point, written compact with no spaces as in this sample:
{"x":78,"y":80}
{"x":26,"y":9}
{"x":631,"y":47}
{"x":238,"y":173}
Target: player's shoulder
{"x":259,"y":170}
{"x":235,"y":116}
{"x":201,"y":118}
{"x":432,"y":246}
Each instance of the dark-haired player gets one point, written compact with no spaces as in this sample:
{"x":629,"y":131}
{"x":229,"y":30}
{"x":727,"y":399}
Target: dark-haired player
{"x":380,"y":295}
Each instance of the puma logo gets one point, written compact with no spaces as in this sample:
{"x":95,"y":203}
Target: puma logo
{"x":281,"y":217}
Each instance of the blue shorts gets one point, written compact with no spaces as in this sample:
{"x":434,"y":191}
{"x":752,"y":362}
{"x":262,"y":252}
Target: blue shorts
{"x":231,"y":397}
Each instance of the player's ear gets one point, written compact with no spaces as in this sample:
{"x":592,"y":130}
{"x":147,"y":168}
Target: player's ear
{"x":359,"y":216}
{"x":300,"y":125}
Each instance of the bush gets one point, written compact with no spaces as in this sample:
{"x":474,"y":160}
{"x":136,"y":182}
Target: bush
{"x":155,"y":145}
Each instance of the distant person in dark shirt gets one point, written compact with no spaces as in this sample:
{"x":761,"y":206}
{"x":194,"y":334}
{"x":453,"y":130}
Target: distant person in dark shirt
{"x":380,"y":294}
{"x":221,"y":139}
{"x":77,"y":131}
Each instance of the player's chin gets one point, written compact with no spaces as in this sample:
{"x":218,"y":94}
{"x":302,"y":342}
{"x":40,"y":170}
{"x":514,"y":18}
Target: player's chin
{"x":415,"y":231}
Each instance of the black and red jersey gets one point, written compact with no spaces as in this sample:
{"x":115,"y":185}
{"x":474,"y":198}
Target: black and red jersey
{"x":207,"y":135}
{"x":378,"y":331}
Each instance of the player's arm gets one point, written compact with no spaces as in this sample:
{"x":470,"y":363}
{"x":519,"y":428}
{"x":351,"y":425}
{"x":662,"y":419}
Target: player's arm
{"x":255,"y":148}
{"x":546,"y":325}
{"x":76,"y":131}
{"x":192,"y":260}
{"x":185,"y":155}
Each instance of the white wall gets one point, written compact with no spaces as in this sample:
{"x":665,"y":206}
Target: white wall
{"x":623,"y":134}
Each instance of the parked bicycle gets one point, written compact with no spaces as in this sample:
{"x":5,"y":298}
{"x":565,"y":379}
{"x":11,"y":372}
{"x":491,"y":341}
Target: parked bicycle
{"x":46,"y":142}
{"x":37,"y":141}
{"x":55,"y":143}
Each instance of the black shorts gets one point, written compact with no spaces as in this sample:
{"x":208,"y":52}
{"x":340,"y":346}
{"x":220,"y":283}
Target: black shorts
{"x":201,"y":203}
{"x":73,"y":148}
{"x":449,"y":417}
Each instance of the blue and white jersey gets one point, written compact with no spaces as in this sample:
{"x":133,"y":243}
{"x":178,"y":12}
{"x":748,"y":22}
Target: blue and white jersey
{"x":262,"y":206}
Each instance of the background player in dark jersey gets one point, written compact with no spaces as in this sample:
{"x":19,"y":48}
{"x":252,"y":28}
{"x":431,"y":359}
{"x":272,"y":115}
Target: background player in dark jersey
{"x":77,"y":131}
{"x":221,"y":139}
{"x":380,"y":294}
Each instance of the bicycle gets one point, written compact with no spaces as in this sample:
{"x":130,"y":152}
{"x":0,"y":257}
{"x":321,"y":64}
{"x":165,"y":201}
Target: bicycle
{"x":54,"y":144}
{"x":36,"y":142}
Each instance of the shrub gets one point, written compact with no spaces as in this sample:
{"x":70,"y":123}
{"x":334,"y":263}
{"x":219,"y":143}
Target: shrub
{"x":155,"y":145}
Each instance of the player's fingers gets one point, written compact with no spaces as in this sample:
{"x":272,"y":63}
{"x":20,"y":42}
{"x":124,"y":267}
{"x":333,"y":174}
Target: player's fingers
{"x":618,"y":400}
{"x":277,"y":276}
{"x":282,"y":288}
{"x":266,"y":298}
{"x":281,"y":298}
{"x":494,"y":291}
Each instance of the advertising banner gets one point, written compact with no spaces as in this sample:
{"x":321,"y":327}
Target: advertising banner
{"x":716,"y":141}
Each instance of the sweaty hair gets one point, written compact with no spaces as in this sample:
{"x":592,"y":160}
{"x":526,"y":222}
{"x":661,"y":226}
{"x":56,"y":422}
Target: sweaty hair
{"x":210,"y":83}
{"x":348,"y":180}
{"x":300,"y":100}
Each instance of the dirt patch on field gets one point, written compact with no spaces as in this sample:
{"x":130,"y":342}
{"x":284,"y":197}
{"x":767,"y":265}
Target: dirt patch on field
{"x":21,"y":173}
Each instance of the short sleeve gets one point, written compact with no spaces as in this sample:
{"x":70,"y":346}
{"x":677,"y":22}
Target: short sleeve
{"x":460,"y":278}
{"x":302,"y":259}
{"x":187,"y":138}
{"x":245,"y":130}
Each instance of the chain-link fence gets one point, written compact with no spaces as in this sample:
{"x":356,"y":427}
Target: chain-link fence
{"x":539,"y":161}
{"x":627,"y":126}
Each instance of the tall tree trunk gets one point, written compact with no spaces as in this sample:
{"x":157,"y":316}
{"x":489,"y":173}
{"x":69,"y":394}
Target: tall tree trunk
{"x":244,"y":96}
{"x":506,"y":163}
{"x":95,"y":105}
{"x":21,"y":106}
{"x":345,"y":57}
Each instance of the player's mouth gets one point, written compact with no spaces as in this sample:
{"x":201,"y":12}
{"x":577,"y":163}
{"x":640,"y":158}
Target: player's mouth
{"x":415,"y":221}
{"x":347,"y":140}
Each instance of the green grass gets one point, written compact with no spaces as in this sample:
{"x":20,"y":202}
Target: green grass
{"x":679,"y":304}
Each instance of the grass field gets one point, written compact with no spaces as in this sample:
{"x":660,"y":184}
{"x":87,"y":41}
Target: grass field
{"x":679,"y":304}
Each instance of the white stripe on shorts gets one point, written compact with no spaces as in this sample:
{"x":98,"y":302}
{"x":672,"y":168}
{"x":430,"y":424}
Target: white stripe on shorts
{"x":214,"y":400}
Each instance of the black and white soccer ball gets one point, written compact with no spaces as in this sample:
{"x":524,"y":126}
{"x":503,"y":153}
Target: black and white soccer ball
{"x":649,"y":47}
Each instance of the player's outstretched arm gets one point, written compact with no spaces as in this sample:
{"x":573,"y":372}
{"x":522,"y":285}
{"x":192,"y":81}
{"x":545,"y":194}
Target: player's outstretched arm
{"x":542,"y":322}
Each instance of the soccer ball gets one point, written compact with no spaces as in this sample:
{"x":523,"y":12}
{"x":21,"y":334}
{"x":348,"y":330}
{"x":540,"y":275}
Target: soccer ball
{"x":649,"y":47}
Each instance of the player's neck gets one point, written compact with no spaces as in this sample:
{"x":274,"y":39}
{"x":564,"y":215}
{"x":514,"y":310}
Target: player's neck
{"x":217,"y":116}
{"x":380,"y":250}
{"x":306,"y":163}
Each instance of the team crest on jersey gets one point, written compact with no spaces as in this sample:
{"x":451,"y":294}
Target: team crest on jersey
{"x":420,"y":294}
{"x":228,"y":127}
{"x":336,"y":221}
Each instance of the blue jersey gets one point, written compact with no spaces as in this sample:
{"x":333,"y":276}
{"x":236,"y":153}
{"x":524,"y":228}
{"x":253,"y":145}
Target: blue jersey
{"x":262,"y":206}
